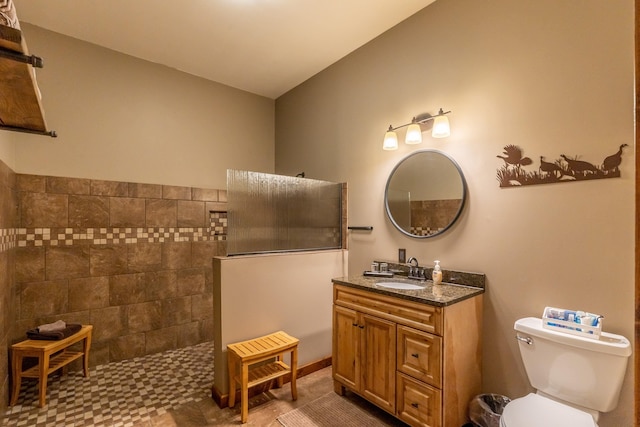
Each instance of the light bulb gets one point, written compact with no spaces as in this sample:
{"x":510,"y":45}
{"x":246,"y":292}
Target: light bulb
{"x":440,"y":127}
{"x":414,"y":134}
{"x":390,"y":140}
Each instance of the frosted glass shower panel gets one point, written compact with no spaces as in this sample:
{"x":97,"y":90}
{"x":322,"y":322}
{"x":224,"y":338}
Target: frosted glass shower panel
{"x":276,"y":213}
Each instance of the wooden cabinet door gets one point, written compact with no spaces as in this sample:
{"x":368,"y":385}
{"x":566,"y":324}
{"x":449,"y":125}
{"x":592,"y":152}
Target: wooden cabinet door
{"x":419,"y":404}
{"x":378,"y":361}
{"x":420,"y":355}
{"x":345,"y":347}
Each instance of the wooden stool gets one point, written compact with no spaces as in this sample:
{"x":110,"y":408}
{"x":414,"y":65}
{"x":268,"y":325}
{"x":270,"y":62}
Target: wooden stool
{"x":43,"y":350}
{"x":246,"y":353}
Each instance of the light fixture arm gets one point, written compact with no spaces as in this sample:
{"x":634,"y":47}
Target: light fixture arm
{"x":424,"y":120}
{"x":414,"y":132}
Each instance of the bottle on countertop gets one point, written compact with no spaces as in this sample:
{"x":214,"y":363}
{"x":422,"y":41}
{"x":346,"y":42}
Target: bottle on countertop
{"x":437,"y":273}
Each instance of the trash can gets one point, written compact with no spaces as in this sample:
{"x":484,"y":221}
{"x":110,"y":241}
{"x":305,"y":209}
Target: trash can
{"x":485,"y":409}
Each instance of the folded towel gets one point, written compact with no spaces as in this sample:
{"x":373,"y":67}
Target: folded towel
{"x":70,"y":329}
{"x":52,"y":327}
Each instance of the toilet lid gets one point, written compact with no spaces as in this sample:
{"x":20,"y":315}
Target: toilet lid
{"x":534,"y":411}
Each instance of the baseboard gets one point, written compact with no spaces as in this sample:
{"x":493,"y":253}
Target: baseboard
{"x":222,"y":400}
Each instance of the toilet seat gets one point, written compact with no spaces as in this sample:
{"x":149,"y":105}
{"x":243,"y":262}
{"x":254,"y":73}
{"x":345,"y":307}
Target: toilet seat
{"x":534,"y":410}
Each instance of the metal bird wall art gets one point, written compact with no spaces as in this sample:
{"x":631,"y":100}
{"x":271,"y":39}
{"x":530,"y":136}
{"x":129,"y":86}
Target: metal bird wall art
{"x":564,"y":169}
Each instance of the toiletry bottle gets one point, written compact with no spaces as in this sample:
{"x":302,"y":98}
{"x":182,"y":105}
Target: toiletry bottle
{"x":437,"y":273}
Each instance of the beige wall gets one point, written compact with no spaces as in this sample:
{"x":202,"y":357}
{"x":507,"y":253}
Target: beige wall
{"x":124,"y":119}
{"x":255,"y":295}
{"x":7,"y":148}
{"x":552,"y":77}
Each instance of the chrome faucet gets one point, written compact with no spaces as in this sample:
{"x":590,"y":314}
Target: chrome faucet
{"x":415,"y":272}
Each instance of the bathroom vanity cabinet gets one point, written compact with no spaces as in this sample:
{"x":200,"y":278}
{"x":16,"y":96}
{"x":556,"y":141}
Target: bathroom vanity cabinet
{"x":420,"y":362}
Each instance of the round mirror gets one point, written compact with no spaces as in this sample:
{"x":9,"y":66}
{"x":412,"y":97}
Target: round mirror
{"x":425,"y":193}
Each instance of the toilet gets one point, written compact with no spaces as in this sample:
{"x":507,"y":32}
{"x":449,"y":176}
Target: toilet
{"x":575,"y":377}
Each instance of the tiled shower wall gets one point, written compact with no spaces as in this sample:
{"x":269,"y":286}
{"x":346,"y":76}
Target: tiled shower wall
{"x":133,"y":260}
{"x":8,"y":291}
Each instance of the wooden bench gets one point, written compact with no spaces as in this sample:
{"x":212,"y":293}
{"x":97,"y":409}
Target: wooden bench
{"x":52,"y":355}
{"x":244,"y":354}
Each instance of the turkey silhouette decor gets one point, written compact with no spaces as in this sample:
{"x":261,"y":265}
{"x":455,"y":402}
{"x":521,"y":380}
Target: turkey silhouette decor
{"x":518,"y":170}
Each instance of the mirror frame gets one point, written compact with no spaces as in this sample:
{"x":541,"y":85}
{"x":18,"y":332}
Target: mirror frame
{"x":457,"y":215}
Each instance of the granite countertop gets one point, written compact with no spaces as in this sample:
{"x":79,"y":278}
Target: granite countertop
{"x":443,"y":295}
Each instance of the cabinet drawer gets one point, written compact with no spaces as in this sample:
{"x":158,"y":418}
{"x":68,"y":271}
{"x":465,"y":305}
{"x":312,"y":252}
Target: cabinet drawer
{"x":420,"y":355}
{"x":419,"y":316}
{"x":418,"y":404}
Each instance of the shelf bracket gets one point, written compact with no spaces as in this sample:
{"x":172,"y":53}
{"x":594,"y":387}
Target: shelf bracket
{"x":52,"y":133}
{"x":33,"y":60}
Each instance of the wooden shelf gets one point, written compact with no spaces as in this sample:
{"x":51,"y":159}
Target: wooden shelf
{"x":264,"y":373}
{"x":20,"y":105}
{"x":58,"y":361}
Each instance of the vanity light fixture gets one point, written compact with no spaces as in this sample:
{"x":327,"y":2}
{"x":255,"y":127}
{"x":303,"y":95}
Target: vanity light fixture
{"x":414,"y":132}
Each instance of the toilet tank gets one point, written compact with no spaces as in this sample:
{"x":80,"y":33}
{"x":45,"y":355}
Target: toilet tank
{"x":584,"y":371}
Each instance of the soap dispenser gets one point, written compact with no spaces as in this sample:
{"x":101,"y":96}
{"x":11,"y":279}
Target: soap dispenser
{"x":437,"y":274}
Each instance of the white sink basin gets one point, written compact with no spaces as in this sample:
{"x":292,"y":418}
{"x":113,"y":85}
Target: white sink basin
{"x":400,"y":285}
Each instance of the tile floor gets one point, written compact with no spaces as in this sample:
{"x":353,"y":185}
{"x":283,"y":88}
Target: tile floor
{"x":169,"y":389}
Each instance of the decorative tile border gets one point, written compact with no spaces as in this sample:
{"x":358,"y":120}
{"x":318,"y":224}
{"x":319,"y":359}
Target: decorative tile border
{"x":421,"y":231}
{"x":25,"y":237}
{"x":8,"y":239}
{"x":110,"y":236}
{"x":219,"y":223}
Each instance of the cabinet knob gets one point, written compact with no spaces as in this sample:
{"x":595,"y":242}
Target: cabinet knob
{"x":361,"y":326}
{"x":415,"y":405}
{"x":354,"y":324}
{"x":415,"y":355}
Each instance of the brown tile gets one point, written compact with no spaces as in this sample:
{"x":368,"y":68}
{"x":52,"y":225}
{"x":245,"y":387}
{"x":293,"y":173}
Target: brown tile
{"x":99,"y":353}
{"x":203,"y":253}
{"x":161,"y":213}
{"x":144,"y":257}
{"x":60,"y":185}
{"x":176,"y":311}
{"x":190,"y":281}
{"x":108,"y":322}
{"x":161,"y":340}
{"x":144,"y":316}
{"x":108,"y":260}
{"x":175,"y":192}
{"x":127,"y":212}
{"x":29,"y":264}
{"x":81,"y":317}
{"x":215,"y":206}
{"x":149,"y":191}
{"x":20,"y":328}
{"x":207,"y":329}
{"x":88,"y":293}
{"x":8,"y":208}
{"x":31,"y":183}
{"x":67,"y":262}
{"x":5,"y":171}
{"x":176,"y":255}
{"x":43,"y":210}
{"x":7,"y":303}
{"x":161,"y":285}
{"x":189,"y":334}
{"x":127,"y":289}
{"x":43,"y":299}
{"x":222,"y":195}
{"x":88,"y":211}
{"x":191,"y":214}
{"x":204,"y":194}
{"x":202,"y":306}
{"x":126,"y":347}
{"x":109,"y":188}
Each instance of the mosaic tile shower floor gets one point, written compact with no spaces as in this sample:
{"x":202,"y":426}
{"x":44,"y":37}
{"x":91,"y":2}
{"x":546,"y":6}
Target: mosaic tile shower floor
{"x":119,"y":394}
